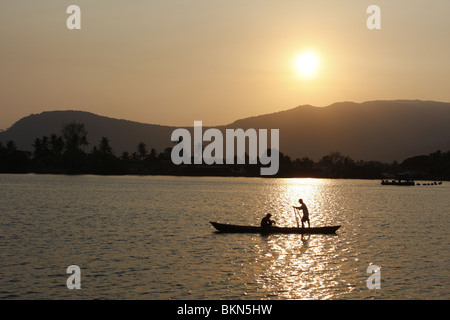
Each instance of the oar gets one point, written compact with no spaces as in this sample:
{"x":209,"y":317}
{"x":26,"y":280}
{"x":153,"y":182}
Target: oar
{"x":296,"y":217}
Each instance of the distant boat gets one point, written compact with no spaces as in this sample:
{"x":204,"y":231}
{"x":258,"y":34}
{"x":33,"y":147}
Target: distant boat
{"x":398,"y":183}
{"x":398,"y":179}
{"x":231,"y":228}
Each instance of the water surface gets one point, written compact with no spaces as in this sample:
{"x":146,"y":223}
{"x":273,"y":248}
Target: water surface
{"x":150,"y":238}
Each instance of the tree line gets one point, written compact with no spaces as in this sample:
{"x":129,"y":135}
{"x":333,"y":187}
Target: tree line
{"x":68,"y":153}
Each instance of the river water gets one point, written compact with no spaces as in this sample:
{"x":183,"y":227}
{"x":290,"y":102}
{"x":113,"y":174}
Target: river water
{"x":149,"y":237}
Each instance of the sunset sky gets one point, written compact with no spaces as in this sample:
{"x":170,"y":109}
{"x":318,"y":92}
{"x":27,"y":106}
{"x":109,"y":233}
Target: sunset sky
{"x":172,"y":62}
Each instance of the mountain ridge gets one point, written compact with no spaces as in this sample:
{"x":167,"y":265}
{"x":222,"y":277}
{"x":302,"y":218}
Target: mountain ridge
{"x":382,"y":130}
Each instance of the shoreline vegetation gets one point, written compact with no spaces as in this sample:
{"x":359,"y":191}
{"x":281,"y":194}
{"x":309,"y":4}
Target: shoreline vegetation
{"x":67,"y":154}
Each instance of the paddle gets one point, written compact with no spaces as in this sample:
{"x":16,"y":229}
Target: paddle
{"x":296,"y":216}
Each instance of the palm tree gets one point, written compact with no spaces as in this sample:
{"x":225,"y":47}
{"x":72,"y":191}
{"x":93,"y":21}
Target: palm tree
{"x":11,"y":146}
{"x":56,"y":144}
{"x":37,"y":148}
{"x":142,"y":150}
{"x":104,"y":146}
{"x":153,"y":154}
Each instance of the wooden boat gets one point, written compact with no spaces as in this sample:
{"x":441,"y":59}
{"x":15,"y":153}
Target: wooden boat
{"x":231,"y":228}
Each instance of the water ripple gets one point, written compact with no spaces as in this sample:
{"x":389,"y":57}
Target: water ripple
{"x":150,"y":238}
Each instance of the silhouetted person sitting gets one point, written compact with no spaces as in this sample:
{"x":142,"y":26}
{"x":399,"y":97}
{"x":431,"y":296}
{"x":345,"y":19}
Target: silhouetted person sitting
{"x":305,"y":217}
{"x":266,"y":222}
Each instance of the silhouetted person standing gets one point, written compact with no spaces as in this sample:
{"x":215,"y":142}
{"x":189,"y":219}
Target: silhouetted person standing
{"x":304,"y":208}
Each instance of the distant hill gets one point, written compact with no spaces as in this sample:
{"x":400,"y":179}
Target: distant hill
{"x":374,"y":130}
{"x":124,"y":135}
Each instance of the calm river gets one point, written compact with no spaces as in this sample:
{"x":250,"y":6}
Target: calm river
{"x":150,"y":238}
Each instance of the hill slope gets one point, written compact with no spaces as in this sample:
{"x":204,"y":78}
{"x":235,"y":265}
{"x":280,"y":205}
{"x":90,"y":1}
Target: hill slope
{"x":374,"y":130}
{"x":124,"y":135}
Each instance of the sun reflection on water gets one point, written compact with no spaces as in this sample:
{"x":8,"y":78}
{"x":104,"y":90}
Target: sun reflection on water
{"x":297,"y":267}
{"x":300,"y":266}
{"x":315,"y":194}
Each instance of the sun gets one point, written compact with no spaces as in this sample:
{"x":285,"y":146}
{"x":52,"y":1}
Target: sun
{"x":307,"y":64}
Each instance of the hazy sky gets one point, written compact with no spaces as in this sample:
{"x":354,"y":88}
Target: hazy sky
{"x":173,"y":61}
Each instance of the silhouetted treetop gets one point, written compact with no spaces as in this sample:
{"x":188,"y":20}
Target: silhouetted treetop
{"x":75,"y":135}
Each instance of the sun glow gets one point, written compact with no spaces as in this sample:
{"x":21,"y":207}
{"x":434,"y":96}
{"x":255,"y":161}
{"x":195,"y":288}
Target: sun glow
{"x":307,"y":64}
